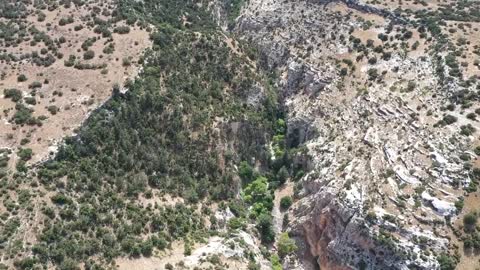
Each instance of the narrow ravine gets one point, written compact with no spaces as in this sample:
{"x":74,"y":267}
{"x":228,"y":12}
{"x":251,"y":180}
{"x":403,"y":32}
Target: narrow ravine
{"x":277,"y":213}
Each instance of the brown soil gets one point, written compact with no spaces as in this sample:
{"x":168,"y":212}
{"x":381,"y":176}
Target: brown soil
{"x":82,"y":90}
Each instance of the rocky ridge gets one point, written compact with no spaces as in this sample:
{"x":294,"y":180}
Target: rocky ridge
{"x":383,"y":178}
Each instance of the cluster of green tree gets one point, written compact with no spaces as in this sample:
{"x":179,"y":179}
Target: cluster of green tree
{"x":181,"y":128}
{"x":108,"y":228}
{"x":447,"y":262}
{"x":471,"y":240}
{"x":23,"y":114}
{"x":12,"y":10}
{"x":258,"y":191}
{"x":178,"y":14}
{"x":233,"y":8}
{"x":463,"y":11}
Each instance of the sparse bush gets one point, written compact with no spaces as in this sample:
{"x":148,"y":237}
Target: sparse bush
{"x":126,"y":62}
{"x":35,"y":85}
{"x":470,"y":220}
{"x":88,"y":55}
{"x":13,"y":94}
{"x":449,"y":119}
{"x":121,"y":30}
{"x":30,"y":100}
{"x":467,"y":130}
{"x":53,"y":109}
{"x":21,"y":78}
{"x":372,"y":74}
{"x":477,"y":150}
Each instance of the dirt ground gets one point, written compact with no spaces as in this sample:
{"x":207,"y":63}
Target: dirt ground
{"x":74,"y":92}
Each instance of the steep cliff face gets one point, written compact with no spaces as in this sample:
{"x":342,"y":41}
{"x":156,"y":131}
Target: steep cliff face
{"x":383,"y":173}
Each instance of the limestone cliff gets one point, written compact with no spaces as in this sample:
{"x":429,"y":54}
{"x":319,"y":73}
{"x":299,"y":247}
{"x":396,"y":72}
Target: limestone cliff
{"x":382,"y":175}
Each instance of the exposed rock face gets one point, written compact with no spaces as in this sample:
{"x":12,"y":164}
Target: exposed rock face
{"x":302,"y":77}
{"x":373,"y":147}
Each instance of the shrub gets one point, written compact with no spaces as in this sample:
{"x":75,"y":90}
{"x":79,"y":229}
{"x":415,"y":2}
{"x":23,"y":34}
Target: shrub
{"x":21,"y":166}
{"x":245,"y":171}
{"x":286,"y":245}
{"x":22,"y":114}
{"x":26,"y":263}
{"x":449,"y":119}
{"x":122,"y":30}
{"x":60,"y":199}
{"x":407,"y":35}
{"x":30,"y":100}
{"x":53,"y":109}
{"x":35,"y":84}
{"x":101,"y":29}
{"x":21,"y":78}
{"x":109,"y":49}
{"x":286,"y":202}
{"x":371,"y":217}
{"x":464,"y":156}
{"x":383,"y":37}
{"x":88,"y":55}
{"x":477,"y":150}
{"x":282,"y":175}
{"x":126,"y":62}
{"x":372,"y":74}
{"x":13,"y":94}
{"x":25,"y":154}
{"x":265,"y":227}
{"x":467,"y":130}
{"x":459,"y":204}
{"x":411,"y":86}
{"x":472,"y":116}
{"x":275,"y":261}
{"x":70,"y":62}
{"x":470,"y":220}
{"x":386,"y":56}
{"x":446,"y":262}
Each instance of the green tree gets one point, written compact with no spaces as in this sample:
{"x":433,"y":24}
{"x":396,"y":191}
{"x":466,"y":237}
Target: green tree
{"x":282,"y":175}
{"x":13,"y":94}
{"x":22,"y":78}
{"x":89,"y":55}
{"x":275,"y":261}
{"x":245,"y":172}
{"x":446,"y":262}
{"x":286,"y":245}
{"x":286,"y":202}
{"x":25,"y":154}
{"x":256,"y":190}
{"x":470,"y":220}
{"x":265,"y":227}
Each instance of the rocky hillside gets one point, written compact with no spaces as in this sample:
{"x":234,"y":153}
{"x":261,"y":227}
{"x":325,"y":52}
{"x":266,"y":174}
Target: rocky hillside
{"x":382,"y":98}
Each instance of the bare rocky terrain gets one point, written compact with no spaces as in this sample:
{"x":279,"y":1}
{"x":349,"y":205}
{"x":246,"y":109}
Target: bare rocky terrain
{"x":387,"y":171}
